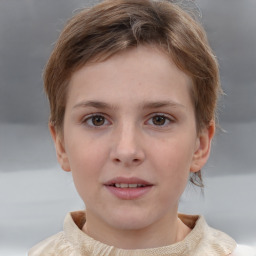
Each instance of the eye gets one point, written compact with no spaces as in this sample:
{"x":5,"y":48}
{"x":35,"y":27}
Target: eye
{"x":96,"y":121}
{"x":160,"y":120}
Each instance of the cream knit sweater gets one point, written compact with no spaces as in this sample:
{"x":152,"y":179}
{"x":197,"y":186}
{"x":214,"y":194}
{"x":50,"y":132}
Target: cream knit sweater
{"x":201,"y":241}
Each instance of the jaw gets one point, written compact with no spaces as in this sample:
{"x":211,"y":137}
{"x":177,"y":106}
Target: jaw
{"x":130,"y":228}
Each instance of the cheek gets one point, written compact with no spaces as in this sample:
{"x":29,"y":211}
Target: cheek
{"x":84,"y":151}
{"x":173,"y":160}
{"x":176,"y":153}
{"x":86,"y":159}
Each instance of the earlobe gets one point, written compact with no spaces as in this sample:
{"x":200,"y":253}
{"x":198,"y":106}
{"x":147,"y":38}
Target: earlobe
{"x":203,"y":147}
{"x":60,"y":149}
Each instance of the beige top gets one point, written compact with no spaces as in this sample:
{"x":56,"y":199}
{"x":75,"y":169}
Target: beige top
{"x":72,"y":241}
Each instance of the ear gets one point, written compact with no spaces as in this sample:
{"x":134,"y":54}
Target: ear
{"x":203,"y":147}
{"x":60,"y":148}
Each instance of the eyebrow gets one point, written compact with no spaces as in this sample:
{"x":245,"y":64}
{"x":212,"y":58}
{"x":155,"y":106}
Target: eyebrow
{"x":94,"y":104}
{"x":160,"y":104}
{"x":145,"y":105}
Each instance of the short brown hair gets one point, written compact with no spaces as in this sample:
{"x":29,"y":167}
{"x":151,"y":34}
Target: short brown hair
{"x":96,"y":33}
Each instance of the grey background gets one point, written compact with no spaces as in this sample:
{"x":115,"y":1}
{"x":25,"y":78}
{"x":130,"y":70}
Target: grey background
{"x":35,"y":194}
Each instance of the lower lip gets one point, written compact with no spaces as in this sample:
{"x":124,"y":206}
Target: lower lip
{"x":129,"y":193}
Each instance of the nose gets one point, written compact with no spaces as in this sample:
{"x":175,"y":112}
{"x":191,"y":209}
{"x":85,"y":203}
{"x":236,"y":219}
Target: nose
{"x":127,"y":149}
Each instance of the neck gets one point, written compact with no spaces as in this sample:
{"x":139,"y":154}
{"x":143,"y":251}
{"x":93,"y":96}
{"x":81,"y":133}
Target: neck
{"x":167,"y":231}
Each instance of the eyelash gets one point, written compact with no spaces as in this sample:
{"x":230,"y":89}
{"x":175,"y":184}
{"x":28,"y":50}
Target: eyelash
{"x":166,"y":117}
{"x":89,"y":118}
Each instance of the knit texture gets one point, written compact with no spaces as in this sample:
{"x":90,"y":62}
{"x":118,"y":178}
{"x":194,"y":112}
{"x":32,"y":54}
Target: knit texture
{"x":72,"y":241}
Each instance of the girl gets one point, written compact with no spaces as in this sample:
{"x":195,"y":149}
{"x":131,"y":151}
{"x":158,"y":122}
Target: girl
{"x":133,"y":86}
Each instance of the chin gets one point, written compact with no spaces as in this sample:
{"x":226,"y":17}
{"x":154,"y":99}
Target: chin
{"x":130,"y":220}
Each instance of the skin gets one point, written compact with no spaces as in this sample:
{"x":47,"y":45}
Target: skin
{"x":146,"y":129}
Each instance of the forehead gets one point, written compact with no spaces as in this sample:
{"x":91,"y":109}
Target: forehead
{"x":142,"y":72}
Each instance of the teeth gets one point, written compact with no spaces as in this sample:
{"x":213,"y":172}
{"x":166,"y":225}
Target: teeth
{"x":122,"y":185}
{"x":133,"y":185}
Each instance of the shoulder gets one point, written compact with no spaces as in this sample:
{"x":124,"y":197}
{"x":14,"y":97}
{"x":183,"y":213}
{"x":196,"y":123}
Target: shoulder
{"x":52,"y":246}
{"x":206,"y":240}
{"x":244,"y":250}
{"x":65,"y":243}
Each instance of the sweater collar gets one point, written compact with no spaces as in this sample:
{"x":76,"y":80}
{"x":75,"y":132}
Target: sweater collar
{"x":202,"y":240}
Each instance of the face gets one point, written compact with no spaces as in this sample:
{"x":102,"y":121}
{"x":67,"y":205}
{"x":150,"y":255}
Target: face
{"x":129,"y":138}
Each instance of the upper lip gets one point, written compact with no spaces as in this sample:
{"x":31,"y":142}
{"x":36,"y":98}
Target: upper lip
{"x":126,"y":180}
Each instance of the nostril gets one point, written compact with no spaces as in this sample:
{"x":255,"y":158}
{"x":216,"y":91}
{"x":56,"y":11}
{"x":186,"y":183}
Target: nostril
{"x":135,"y":160}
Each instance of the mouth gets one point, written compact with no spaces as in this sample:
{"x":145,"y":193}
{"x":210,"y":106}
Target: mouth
{"x":132,"y":182}
{"x":128,"y":188}
{"x":123,"y":185}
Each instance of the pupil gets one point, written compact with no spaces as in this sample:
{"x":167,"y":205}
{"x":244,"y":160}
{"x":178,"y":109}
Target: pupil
{"x":159,"y":120}
{"x":98,"y":120}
